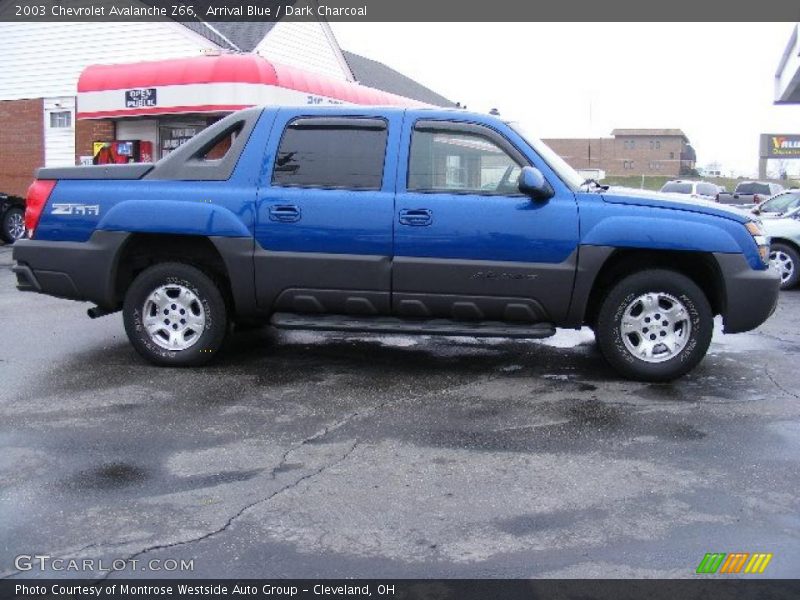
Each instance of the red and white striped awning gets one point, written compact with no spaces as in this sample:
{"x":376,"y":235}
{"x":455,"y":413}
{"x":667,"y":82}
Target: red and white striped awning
{"x":213,"y":84}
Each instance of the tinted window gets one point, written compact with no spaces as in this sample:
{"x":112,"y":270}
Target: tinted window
{"x":463,"y":162}
{"x":332,"y":153}
{"x":677,"y":188}
{"x":706,"y":189}
{"x":753,"y":188}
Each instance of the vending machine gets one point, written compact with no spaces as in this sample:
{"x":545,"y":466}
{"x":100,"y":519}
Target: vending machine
{"x":121,"y":152}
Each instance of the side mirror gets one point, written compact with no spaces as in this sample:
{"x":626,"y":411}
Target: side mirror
{"x":532,"y":183}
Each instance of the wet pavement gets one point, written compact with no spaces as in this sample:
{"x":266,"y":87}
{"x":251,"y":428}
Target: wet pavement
{"x":309,"y":455}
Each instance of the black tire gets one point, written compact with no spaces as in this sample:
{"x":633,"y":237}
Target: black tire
{"x":208,"y":301}
{"x":11,"y":219}
{"x":790,"y":257}
{"x":623,"y":296}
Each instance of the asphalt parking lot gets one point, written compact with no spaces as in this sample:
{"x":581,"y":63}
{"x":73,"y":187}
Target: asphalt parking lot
{"x":300,"y":455}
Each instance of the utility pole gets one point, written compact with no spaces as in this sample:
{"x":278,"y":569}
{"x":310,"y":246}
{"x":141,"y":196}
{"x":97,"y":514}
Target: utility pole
{"x":590,"y":131}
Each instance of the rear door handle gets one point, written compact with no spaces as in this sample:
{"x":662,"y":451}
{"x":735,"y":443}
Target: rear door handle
{"x":284,"y":213}
{"x":416,"y":217}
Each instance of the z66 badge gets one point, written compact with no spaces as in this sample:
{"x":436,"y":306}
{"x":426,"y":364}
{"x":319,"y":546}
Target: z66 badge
{"x":75,"y":209}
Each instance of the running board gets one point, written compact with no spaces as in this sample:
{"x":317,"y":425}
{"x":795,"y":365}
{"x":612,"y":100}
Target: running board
{"x":358,"y":324}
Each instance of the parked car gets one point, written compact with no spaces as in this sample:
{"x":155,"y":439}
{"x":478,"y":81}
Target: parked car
{"x":390,"y":220}
{"x":12,"y":218}
{"x":780,"y":205}
{"x":784,"y":253}
{"x":750,"y":192}
{"x":701,"y":190}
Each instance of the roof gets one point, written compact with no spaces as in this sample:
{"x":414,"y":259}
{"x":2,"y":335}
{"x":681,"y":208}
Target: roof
{"x":237,"y":36}
{"x":229,"y":35}
{"x":651,"y":132}
{"x":377,"y":75}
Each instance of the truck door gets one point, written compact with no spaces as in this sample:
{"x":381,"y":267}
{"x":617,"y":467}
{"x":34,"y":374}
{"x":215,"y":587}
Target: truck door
{"x":325,"y":212}
{"x":468,"y":244}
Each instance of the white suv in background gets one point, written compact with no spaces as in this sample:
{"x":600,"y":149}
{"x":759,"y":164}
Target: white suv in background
{"x":702,"y":190}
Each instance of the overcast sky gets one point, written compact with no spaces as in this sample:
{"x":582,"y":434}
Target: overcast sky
{"x":712,"y":80}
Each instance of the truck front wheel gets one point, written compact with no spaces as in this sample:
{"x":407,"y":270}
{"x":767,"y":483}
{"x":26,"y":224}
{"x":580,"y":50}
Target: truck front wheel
{"x":654,"y":325}
{"x":175,"y":315}
{"x":784,"y":259}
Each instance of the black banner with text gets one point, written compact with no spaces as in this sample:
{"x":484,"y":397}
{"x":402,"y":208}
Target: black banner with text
{"x":386,"y":11}
{"x":404,"y":589}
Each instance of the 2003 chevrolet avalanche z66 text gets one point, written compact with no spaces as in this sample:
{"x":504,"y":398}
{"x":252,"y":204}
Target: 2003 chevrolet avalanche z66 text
{"x":390,"y":220}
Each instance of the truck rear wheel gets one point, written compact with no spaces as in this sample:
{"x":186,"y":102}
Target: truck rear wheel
{"x":654,"y":325}
{"x":175,"y":315}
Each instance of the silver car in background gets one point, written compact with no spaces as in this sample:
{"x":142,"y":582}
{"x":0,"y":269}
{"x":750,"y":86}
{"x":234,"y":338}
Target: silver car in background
{"x":699,"y":190}
{"x":784,"y":253}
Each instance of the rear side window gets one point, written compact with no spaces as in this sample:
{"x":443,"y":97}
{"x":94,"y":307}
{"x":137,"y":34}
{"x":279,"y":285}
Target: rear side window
{"x":336,"y":153}
{"x":677,"y":188}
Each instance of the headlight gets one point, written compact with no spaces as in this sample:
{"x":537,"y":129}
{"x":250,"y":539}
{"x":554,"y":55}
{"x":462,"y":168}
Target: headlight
{"x":762,"y":241}
{"x":755,"y":228}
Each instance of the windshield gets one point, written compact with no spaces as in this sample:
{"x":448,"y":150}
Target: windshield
{"x":780,"y":204}
{"x":567,"y":174}
{"x":752,"y":188}
{"x":677,"y":188}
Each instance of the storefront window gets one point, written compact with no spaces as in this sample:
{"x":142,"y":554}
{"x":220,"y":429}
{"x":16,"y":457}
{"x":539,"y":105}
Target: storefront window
{"x":174,"y":136}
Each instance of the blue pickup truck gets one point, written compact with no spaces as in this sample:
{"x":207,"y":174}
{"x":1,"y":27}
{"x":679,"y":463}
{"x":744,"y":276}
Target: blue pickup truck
{"x":364,"y":219}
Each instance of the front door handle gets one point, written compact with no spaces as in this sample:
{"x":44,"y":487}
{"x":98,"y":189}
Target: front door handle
{"x":284,"y":213}
{"x":416,"y":217}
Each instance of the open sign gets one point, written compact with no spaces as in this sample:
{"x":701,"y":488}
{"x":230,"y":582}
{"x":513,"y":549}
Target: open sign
{"x":139,"y":98}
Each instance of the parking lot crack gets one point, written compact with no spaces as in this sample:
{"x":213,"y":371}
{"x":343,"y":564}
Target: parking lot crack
{"x":227,"y":524}
{"x":774,"y":337}
{"x":779,"y":386}
{"x":311,"y":439}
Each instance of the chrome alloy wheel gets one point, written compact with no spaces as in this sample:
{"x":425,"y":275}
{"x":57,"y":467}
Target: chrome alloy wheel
{"x":655,"y":327}
{"x":782,"y":263}
{"x":16,"y":226}
{"x":174,"y":317}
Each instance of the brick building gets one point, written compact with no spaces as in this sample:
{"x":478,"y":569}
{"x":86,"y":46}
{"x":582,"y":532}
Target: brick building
{"x":67,"y":89}
{"x":665,"y":152}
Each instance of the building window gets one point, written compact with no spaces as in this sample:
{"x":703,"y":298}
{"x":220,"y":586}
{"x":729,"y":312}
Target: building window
{"x":332,"y":153}
{"x":627,"y":164}
{"x":652,"y":145}
{"x":672,"y":156}
{"x":61,"y":119}
{"x":658,"y":144}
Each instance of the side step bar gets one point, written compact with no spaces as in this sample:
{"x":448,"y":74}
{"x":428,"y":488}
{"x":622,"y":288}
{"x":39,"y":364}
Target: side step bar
{"x":359,"y":324}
